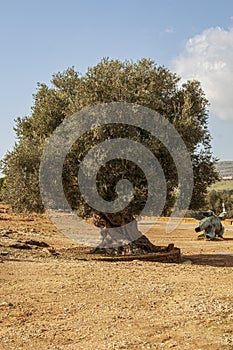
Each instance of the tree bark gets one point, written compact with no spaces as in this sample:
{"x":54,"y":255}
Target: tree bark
{"x":120,"y":236}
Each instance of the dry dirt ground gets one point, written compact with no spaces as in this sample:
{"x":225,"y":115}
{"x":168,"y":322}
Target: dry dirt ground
{"x":50,"y":299}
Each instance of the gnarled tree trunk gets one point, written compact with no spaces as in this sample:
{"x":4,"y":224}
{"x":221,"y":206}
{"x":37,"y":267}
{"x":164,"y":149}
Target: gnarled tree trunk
{"x":120,"y":236}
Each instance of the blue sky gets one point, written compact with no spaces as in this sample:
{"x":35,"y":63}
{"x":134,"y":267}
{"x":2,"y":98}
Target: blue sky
{"x":192,"y":38}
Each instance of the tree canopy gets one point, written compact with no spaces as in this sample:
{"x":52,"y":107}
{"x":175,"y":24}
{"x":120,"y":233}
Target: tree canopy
{"x":143,"y":83}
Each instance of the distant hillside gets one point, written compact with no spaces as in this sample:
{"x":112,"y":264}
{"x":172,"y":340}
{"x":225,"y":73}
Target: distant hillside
{"x":225,"y":169}
{"x":224,"y":185}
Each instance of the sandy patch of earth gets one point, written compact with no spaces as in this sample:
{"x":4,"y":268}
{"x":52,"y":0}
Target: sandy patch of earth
{"x":49,"y":299}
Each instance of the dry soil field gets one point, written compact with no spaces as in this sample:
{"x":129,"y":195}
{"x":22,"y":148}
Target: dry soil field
{"x":50,"y":299}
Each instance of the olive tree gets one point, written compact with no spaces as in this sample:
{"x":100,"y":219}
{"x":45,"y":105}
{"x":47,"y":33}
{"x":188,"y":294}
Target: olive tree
{"x":141,"y":83}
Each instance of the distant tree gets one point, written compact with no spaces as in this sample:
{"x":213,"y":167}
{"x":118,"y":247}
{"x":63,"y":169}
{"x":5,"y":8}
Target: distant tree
{"x":215,"y":201}
{"x":143,"y":83}
{"x":2,"y":184}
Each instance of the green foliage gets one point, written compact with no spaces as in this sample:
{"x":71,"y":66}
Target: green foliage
{"x":215,"y":200}
{"x":141,"y":82}
{"x":2,"y":185}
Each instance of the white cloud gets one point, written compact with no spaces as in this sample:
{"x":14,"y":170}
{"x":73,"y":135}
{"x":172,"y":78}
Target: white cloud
{"x":208,"y":57}
{"x":169,"y":30}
